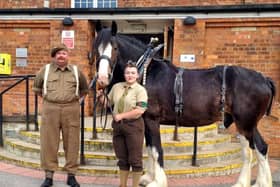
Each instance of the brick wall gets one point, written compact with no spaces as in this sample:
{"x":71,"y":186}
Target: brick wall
{"x":60,"y":3}
{"x":151,"y":3}
{"x":21,"y":3}
{"x":131,"y":3}
{"x":34,"y":3}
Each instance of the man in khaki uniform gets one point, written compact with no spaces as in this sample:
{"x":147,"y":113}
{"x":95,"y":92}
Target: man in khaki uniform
{"x":61,"y":85}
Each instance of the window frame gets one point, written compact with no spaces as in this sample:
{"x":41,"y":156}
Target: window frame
{"x":95,"y":3}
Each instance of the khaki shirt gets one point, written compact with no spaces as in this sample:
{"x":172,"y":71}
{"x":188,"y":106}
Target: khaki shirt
{"x":136,"y":94}
{"x":61,"y":84}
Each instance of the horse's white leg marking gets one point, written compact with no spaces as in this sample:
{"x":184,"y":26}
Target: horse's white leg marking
{"x":244,"y":179}
{"x":103,"y":69}
{"x":264,"y":178}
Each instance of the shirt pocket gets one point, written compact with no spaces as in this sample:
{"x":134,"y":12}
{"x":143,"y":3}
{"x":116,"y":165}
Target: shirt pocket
{"x":52,"y":83}
{"x":71,"y":84}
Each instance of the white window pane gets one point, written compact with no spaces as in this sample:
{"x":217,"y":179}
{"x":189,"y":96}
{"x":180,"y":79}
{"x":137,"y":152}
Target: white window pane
{"x":94,"y":3}
{"x":84,"y":5}
{"x":113,"y":4}
{"x":77,"y":5}
{"x":90,"y":5}
{"x":100,"y":4}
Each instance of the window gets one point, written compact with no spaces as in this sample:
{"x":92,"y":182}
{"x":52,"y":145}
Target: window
{"x":94,"y":3}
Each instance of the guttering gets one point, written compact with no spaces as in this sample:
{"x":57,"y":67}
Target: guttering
{"x":259,"y":10}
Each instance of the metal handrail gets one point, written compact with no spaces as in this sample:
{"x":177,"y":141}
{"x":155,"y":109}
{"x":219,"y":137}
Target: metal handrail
{"x":82,"y":154}
{"x":21,"y":78}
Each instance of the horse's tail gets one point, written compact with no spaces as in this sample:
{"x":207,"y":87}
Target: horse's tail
{"x":272,"y":87}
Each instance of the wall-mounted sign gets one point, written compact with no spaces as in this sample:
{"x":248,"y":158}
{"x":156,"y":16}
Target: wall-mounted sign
{"x":187,"y":58}
{"x":67,"y":38}
{"x":21,"y":52}
{"x":21,"y":62}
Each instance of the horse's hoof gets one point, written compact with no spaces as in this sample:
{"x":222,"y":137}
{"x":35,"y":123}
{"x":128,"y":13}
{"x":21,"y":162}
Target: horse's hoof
{"x":262,"y":185}
{"x":240,"y":185}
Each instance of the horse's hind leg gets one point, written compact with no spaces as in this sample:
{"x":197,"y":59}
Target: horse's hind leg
{"x":244,"y":179}
{"x":264,"y":178}
{"x":228,"y":120}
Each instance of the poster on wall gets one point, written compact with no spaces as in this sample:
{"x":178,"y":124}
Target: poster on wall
{"x":67,"y":38}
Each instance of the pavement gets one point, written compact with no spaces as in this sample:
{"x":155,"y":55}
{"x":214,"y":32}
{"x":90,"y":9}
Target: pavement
{"x":15,"y":176}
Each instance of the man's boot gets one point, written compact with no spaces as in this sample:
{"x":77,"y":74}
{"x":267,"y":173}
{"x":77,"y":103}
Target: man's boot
{"x":48,"y":182}
{"x":123,"y":178}
{"x":136,"y":178}
{"x":71,"y":181}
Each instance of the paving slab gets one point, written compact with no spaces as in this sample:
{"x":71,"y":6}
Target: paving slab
{"x":14,"y":176}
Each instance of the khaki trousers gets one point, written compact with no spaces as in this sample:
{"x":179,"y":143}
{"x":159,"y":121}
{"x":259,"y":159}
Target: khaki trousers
{"x":58,"y":118}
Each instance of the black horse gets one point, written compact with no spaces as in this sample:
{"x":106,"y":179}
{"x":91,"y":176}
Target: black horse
{"x":244,"y":95}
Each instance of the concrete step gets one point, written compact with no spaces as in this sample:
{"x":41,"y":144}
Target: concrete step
{"x":103,"y":145}
{"x":101,"y":158}
{"x":212,"y":169}
{"x":216,"y":155}
{"x":184,"y":133}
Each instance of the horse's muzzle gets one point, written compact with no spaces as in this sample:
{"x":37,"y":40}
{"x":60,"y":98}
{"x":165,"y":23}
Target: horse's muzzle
{"x":103,"y":81}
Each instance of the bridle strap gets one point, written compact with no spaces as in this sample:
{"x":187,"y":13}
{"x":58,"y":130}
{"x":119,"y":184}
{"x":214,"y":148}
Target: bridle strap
{"x":105,"y":57}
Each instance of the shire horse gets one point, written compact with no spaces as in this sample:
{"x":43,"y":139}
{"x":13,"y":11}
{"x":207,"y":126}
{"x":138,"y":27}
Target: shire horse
{"x":247,"y":98}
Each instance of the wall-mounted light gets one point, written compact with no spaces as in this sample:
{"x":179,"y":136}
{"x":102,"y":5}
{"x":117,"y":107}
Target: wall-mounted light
{"x":189,"y":20}
{"x":68,"y":21}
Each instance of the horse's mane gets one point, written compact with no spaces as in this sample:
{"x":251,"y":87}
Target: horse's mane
{"x":130,"y":46}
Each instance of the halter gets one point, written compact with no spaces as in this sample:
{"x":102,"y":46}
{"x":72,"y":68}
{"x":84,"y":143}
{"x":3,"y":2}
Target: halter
{"x":111,"y":64}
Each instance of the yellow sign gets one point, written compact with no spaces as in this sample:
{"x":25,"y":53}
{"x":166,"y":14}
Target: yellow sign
{"x":5,"y":64}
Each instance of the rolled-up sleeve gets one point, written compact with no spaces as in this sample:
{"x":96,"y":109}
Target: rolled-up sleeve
{"x":142,"y":99}
{"x":38,"y":82}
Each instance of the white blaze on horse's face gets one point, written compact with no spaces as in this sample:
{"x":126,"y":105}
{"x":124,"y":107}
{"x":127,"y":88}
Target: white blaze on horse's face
{"x":104,"y":65}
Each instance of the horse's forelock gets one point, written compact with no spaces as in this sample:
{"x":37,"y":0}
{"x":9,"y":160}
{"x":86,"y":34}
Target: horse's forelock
{"x":103,"y":38}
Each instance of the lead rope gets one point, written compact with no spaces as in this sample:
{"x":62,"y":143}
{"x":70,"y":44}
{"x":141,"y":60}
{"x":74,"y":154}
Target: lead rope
{"x":223,"y":94}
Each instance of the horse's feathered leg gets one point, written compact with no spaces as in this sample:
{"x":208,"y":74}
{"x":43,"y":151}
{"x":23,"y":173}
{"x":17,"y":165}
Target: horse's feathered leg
{"x":264,"y":178}
{"x":152,"y":137}
{"x":244,"y":179}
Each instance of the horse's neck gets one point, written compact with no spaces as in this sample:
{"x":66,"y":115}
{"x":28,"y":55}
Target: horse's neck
{"x":130,"y":48}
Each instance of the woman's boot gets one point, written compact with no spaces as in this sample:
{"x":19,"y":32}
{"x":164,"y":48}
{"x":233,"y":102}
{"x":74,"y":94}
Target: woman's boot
{"x":123,"y":178}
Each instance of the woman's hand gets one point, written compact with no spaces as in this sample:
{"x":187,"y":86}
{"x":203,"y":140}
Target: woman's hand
{"x":117,"y":117}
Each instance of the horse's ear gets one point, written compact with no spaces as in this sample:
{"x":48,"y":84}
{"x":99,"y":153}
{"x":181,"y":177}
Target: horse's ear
{"x":114,"y":28}
{"x":98,"y":26}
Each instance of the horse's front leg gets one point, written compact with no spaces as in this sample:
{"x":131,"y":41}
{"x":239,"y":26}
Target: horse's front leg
{"x":152,"y":137}
{"x":264,"y":178}
{"x":244,"y":179}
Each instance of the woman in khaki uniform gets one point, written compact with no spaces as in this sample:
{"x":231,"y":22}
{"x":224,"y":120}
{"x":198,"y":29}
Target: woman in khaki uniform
{"x":61,"y":85}
{"x":130,"y":102}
